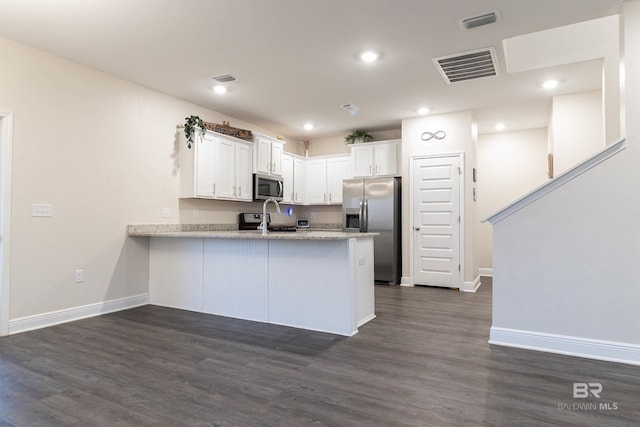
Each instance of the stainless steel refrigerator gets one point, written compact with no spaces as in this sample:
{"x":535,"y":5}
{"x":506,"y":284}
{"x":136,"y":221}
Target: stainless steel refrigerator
{"x":373,"y":205}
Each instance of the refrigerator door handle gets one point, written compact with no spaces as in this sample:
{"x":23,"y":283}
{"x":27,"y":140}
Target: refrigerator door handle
{"x":364,"y":225}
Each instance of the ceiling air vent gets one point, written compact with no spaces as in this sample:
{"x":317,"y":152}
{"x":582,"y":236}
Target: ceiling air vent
{"x":468,"y":65}
{"x":479,"y":20}
{"x":351,"y":108}
{"x":224,"y":78}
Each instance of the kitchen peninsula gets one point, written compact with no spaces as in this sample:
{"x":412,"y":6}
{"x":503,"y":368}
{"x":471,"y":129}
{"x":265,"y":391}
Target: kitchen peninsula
{"x":317,"y":280}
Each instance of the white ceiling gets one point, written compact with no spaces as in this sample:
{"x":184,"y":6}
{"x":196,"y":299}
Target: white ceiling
{"x":295,"y":61}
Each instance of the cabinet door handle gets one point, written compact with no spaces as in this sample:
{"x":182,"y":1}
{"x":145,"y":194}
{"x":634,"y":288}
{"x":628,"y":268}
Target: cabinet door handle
{"x":324,"y":197}
{"x":370,"y":170}
{"x":377,"y":169}
{"x":239,"y":190}
{"x":234,"y":191}
{"x":214,"y":188}
{"x":329,"y":197}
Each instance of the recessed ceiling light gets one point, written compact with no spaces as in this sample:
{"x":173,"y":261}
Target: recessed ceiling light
{"x":369,"y":56}
{"x":308,"y":126}
{"x":500,"y":126}
{"x":423,"y":111}
{"x":550,"y":84}
{"x":219,"y":89}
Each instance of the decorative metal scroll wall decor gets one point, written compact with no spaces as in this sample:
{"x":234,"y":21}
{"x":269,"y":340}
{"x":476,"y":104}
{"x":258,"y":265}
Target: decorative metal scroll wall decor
{"x":427,"y":136}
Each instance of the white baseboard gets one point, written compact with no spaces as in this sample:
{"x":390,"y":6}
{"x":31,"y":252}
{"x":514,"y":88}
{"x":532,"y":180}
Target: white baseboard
{"x":471,"y":286}
{"x":405,"y":281}
{"x":486,"y":272}
{"x":610,"y":351}
{"x":38,"y":321}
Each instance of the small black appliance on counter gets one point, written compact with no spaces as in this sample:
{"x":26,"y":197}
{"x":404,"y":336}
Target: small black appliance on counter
{"x":251,"y":221}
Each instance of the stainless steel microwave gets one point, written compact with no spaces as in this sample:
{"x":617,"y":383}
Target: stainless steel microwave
{"x":267,"y":187}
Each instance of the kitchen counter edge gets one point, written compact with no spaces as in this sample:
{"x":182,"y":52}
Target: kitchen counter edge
{"x":241,"y":234}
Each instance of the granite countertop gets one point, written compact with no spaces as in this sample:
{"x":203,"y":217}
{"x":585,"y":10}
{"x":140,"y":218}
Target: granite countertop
{"x":223,"y":231}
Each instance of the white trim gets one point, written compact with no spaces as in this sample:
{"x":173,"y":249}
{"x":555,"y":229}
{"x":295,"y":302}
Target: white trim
{"x":366,"y":319}
{"x":610,"y":351}
{"x":488,"y":272}
{"x":460,"y":156}
{"x":406,"y":281}
{"x":44,"y":320}
{"x":6,"y":147}
{"x":471,"y":286}
{"x":551,"y":185}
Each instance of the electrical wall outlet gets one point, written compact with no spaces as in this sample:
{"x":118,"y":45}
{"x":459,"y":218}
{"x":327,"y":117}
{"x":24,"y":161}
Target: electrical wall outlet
{"x":44,"y":210}
{"x":79,"y":276}
{"x":166,"y":212}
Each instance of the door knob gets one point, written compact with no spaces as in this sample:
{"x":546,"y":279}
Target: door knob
{"x":417,"y":228}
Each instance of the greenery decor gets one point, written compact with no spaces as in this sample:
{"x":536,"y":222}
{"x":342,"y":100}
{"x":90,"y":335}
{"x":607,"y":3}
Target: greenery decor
{"x":190,"y":125}
{"x":358,"y":136}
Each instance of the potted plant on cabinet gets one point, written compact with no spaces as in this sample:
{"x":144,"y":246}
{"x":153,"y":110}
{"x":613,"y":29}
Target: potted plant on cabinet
{"x":190,"y":125}
{"x":357,"y":136}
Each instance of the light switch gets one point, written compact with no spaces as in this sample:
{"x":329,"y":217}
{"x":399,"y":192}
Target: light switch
{"x":166,"y":212}
{"x":44,"y":210}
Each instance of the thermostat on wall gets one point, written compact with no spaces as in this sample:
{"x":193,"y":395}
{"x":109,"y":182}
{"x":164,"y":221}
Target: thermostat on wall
{"x":302,"y":223}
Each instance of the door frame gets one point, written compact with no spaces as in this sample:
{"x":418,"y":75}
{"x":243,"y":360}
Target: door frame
{"x":6,"y":147}
{"x":412,"y":169}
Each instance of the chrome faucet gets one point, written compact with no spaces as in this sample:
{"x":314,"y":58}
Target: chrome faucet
{"x":263,"y":224}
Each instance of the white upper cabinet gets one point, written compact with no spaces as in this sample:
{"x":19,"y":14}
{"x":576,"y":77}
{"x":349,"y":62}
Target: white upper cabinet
{"x":287,"y":178}
{"x":244,"y":162}
{"x":203,"y":153}
{"x":216,"y":167}
{"x":338,"y":169}
{"x":376,"y":159}
{"x":293,"y":177}
{"x":299,"y":187}
{"x":324,"y":178}
{"x":316,"y":179}
{"x":268,"y":155}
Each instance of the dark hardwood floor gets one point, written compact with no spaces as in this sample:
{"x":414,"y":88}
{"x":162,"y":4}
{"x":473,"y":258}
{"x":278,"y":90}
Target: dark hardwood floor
{"x":424,"y":361}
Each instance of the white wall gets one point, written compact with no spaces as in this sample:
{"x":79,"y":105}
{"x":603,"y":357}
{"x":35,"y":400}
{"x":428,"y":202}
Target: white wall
{"x":460,"y":138}
{"x":103,"y":152}
{"x":565,"y":267}
{"x":510,"y":164}
{"x":577,"y":129}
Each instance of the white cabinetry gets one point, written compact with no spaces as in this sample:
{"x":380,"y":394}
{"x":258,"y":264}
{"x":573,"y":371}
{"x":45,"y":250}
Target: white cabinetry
{"x":293,"y":177}
{"x":268,"y":155}
{"x":217,"y":167}
{"x":316,"y":179}
{"x":324,"y":178}
{"x":376,"y":159}
{"x":338,"y":169}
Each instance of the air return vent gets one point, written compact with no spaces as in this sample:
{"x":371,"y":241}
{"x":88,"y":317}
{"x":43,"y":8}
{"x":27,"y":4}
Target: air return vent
{"x":224,"y":78}
{"x":468,"y":65}
{"x":479,"y":20}
{"x":351,"y":108}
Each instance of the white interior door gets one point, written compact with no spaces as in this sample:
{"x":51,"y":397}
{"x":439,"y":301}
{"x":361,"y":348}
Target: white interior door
{"x":436,"y":221}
